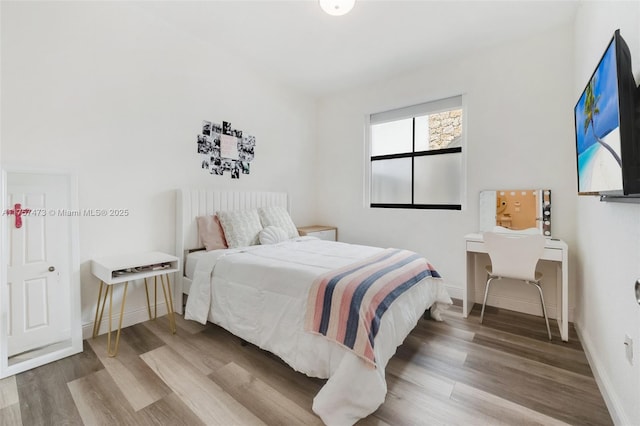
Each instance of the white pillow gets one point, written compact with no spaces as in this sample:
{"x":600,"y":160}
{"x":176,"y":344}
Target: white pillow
{"x":241,"y":227}
{"x":272,"y":235}
{"x":278,"y":216}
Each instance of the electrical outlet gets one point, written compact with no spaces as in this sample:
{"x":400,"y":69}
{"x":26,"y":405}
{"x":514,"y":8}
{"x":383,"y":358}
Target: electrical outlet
{"x":628,"y":348}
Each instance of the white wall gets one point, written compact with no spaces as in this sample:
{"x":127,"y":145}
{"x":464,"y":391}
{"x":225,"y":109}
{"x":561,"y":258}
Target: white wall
{"x":113,"y":94}
{"x":519,"y":135}
{"x":608,"y":242}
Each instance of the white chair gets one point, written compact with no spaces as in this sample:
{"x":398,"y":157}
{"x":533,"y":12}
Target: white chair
{"x":516,"y":257}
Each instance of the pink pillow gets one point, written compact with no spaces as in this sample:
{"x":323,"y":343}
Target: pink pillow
{"x":211,"y":233}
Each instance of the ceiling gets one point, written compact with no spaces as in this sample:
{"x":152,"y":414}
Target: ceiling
{"x":295,"y":43}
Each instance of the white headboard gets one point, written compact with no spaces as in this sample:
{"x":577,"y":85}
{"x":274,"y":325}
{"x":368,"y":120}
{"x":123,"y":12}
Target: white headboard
{"x":191,"y":203}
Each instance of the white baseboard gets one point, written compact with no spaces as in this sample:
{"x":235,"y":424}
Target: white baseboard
{"x":525,"y":306}
{"x":455,"y":292}
{"x":602,"y":380}
{"x":614,"y":406}
{"x":128,"y":319}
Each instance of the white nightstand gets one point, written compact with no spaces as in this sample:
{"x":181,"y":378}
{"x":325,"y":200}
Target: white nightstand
{"x":124,"y":268}
{"x":329,"y":233}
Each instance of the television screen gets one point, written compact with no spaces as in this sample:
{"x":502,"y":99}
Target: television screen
{"x":597,"y":116}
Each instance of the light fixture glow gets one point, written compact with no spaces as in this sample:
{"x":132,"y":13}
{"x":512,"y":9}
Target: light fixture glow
{"x":337,"y":7}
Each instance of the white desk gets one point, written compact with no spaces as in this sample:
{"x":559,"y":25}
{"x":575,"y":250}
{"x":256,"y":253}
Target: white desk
{"x":124,"y":268}
{"x":554,"y":250}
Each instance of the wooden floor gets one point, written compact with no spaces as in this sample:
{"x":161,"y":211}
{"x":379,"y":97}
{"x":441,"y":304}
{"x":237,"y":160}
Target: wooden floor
{"x":454,"y":372}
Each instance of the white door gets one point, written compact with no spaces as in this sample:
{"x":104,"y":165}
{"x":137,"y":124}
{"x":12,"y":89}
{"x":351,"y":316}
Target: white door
{"x":39,"y":260}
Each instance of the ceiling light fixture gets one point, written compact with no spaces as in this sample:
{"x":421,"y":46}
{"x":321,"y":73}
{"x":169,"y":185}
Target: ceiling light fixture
{"x":337,"y":7}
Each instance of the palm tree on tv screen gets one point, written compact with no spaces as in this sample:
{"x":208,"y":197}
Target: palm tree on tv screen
{"x":591,"y":110}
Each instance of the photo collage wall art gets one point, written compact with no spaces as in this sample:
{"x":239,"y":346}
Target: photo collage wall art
{"x":225,"y":149}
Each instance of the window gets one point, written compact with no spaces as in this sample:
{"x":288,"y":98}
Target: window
{"x":416,"y":156}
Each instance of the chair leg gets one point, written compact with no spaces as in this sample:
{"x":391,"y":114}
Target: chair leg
{"x":544,"y":309}
{"x":486,"y":294}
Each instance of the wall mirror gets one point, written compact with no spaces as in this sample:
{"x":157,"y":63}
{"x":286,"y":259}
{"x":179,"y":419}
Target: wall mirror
{"x":516,"y":209}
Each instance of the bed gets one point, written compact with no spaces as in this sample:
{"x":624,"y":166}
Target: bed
{"x":273,"y":296}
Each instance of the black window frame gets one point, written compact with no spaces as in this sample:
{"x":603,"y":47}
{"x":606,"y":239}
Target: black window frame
{"x":413,"y":154}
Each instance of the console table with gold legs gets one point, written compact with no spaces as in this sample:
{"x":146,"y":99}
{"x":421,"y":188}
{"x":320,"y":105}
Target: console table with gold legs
{"x":120,"y":269}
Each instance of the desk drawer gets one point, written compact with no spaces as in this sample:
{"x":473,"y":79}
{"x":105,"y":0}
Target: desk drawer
{"x":552,"y":254}
{"x":476,"y":246}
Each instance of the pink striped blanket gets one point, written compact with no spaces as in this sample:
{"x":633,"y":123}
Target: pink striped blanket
{"x":347,"y":304}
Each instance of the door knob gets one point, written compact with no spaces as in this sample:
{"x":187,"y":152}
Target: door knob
{"x":52,"y":268}
{"x":637,"y":287}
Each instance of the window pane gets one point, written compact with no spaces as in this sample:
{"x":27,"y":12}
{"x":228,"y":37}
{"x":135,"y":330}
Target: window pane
{"x":391,"y":181}
{"x":438,"y":179}
{"x":422,"y":133}
{"x":395,"y":137}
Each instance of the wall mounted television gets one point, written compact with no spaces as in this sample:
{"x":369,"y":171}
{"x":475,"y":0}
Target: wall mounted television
{"x":607,"y":126}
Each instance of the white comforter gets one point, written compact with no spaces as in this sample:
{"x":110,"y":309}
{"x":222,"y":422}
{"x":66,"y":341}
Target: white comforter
{"x":259,"y":293}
